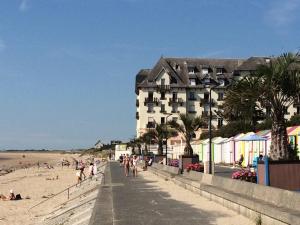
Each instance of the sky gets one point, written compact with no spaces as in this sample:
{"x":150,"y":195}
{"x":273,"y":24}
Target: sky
{"x":67,"y":67}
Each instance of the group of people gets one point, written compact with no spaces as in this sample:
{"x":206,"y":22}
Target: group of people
{"x":11,"y":196}
{"x":92,"y":170}
{"x":129,"y":162}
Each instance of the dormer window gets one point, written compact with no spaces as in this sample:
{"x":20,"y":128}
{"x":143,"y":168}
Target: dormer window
{"x":177,"y":67}
{"x":191,"y":70}
{"x":205,"y":71}
{"x":219,"y":71}
{"x":221,"y":83}
{"x":192,"y":82}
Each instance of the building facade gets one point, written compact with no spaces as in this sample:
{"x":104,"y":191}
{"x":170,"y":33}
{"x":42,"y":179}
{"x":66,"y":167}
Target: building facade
{"x":184,"y":85}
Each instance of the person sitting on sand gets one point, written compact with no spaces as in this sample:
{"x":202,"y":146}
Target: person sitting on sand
{"x":3,"y":197}
{"x":12,"y":195}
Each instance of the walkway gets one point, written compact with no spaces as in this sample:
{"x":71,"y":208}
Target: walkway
{"x":149,"y":200}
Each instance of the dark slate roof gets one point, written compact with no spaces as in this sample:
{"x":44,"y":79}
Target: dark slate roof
{"x":141,"y":76}
{"x":252,"y":63}
{"x":178,"y":69}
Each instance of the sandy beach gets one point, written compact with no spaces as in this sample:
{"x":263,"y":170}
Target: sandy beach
{"x":34,"y":184}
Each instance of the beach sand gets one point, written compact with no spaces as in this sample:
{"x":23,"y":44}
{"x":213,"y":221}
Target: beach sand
{"x":37,"y":184}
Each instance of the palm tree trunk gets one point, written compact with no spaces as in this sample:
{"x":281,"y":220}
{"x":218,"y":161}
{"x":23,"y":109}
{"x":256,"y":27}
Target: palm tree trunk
{"x":188,"y":150}
{"x":160,"y":147}
{"x":279,"y":145}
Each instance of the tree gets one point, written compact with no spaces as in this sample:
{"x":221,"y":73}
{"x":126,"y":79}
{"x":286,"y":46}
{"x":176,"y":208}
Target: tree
{"x":241,"y":102}
{"x":279,"y":86}
{"x":187,"y":128}
{"x":158,"y":134}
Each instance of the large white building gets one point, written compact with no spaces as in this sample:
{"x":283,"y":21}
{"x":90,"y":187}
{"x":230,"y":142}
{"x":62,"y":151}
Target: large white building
{"x":179,"y":85}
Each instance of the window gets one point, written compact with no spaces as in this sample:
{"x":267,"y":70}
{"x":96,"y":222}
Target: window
{"x":174,"y":108}
{"x":204,"y":71}
{"x":220,"y":122}
{"x":162,"y":120}
{"x":150,"y":107}
{"x":206,"y":96}
{"x":162,"y":95}
{"x":177,"y":67}
{"x":220,"y":96}
{"x":151,"y":122}
{"x":192,"y":96}
{"x":221,"y":82}
{"x":162,"y":81}
{"x":286,"y":112}
{"x":162,"y":108}
{"x":219,"y":71}
{"x":192,"y":108}
{"x":298,"y":110}
{"x":150,"y":96}
{"x":192,"y":82}
{"x":191,"y":70}
{"x":174,"y":95}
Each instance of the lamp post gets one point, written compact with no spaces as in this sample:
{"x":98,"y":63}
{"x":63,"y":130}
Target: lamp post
{"x":166,"y":132}
{"x":211,"y":86}
{"x":210,"y":119}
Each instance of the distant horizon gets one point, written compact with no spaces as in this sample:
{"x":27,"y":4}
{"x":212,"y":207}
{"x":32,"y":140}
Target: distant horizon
{"x":67,"y":68}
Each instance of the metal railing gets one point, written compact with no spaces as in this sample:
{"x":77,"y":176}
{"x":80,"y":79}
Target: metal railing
{"x":68,"y":188}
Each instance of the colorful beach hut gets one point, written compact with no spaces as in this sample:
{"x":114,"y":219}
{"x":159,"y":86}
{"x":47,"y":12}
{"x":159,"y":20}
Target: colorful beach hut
{"x":218,"y":149}
{"x":250,"y":151}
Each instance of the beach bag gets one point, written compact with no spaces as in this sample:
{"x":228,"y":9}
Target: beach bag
{"x":18,"y":197}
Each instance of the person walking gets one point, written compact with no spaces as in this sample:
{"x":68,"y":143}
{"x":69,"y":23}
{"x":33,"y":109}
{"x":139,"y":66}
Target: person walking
{"x":126,"y":161}
{"x":134,"y":165}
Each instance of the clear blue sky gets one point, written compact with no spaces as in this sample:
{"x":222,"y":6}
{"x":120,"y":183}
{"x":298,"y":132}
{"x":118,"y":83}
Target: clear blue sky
{"x":67,"y":67}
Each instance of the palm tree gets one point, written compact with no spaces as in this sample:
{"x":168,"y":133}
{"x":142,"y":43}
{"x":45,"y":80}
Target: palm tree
{"x":158,"y":133}
{"x":187,"y":128}
{"x":241,"y":102}
{"x":279,"y":87}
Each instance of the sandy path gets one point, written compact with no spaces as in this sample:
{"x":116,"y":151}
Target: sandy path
{"x":224,"y":215}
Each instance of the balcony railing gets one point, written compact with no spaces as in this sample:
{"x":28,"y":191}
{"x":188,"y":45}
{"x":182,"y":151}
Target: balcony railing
{"x":150,"y":111}
{"x":150,"y":125}
{"x":151,"y":100}
{"x":175,"y":111}
{"x":176,"y":101}
{"x":192,"y":111}
{"x":192,"y":98}
{"x":204,"y":101}
{"x":205,"y":114}
{"x":163,"y":88}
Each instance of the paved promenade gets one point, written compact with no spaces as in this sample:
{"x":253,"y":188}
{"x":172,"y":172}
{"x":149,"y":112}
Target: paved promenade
{"x":151,"y":200}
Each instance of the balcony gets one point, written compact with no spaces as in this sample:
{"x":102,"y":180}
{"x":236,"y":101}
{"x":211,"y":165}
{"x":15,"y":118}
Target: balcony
{"x":150,"y":111}
{"x":163,"y":88}
{"x":151,"y":100}
{"x":204,"y":101}
{"x":192,"y":111}
{"x":163,"y":111}
{"x":137,"y":103}
{"x":204,"y":114}
{"x":175,"y":111}
{"x":192,"y":98}
{"x":150,"y":125}
{"x":137,"y":116}
{"x":176,"y":101}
